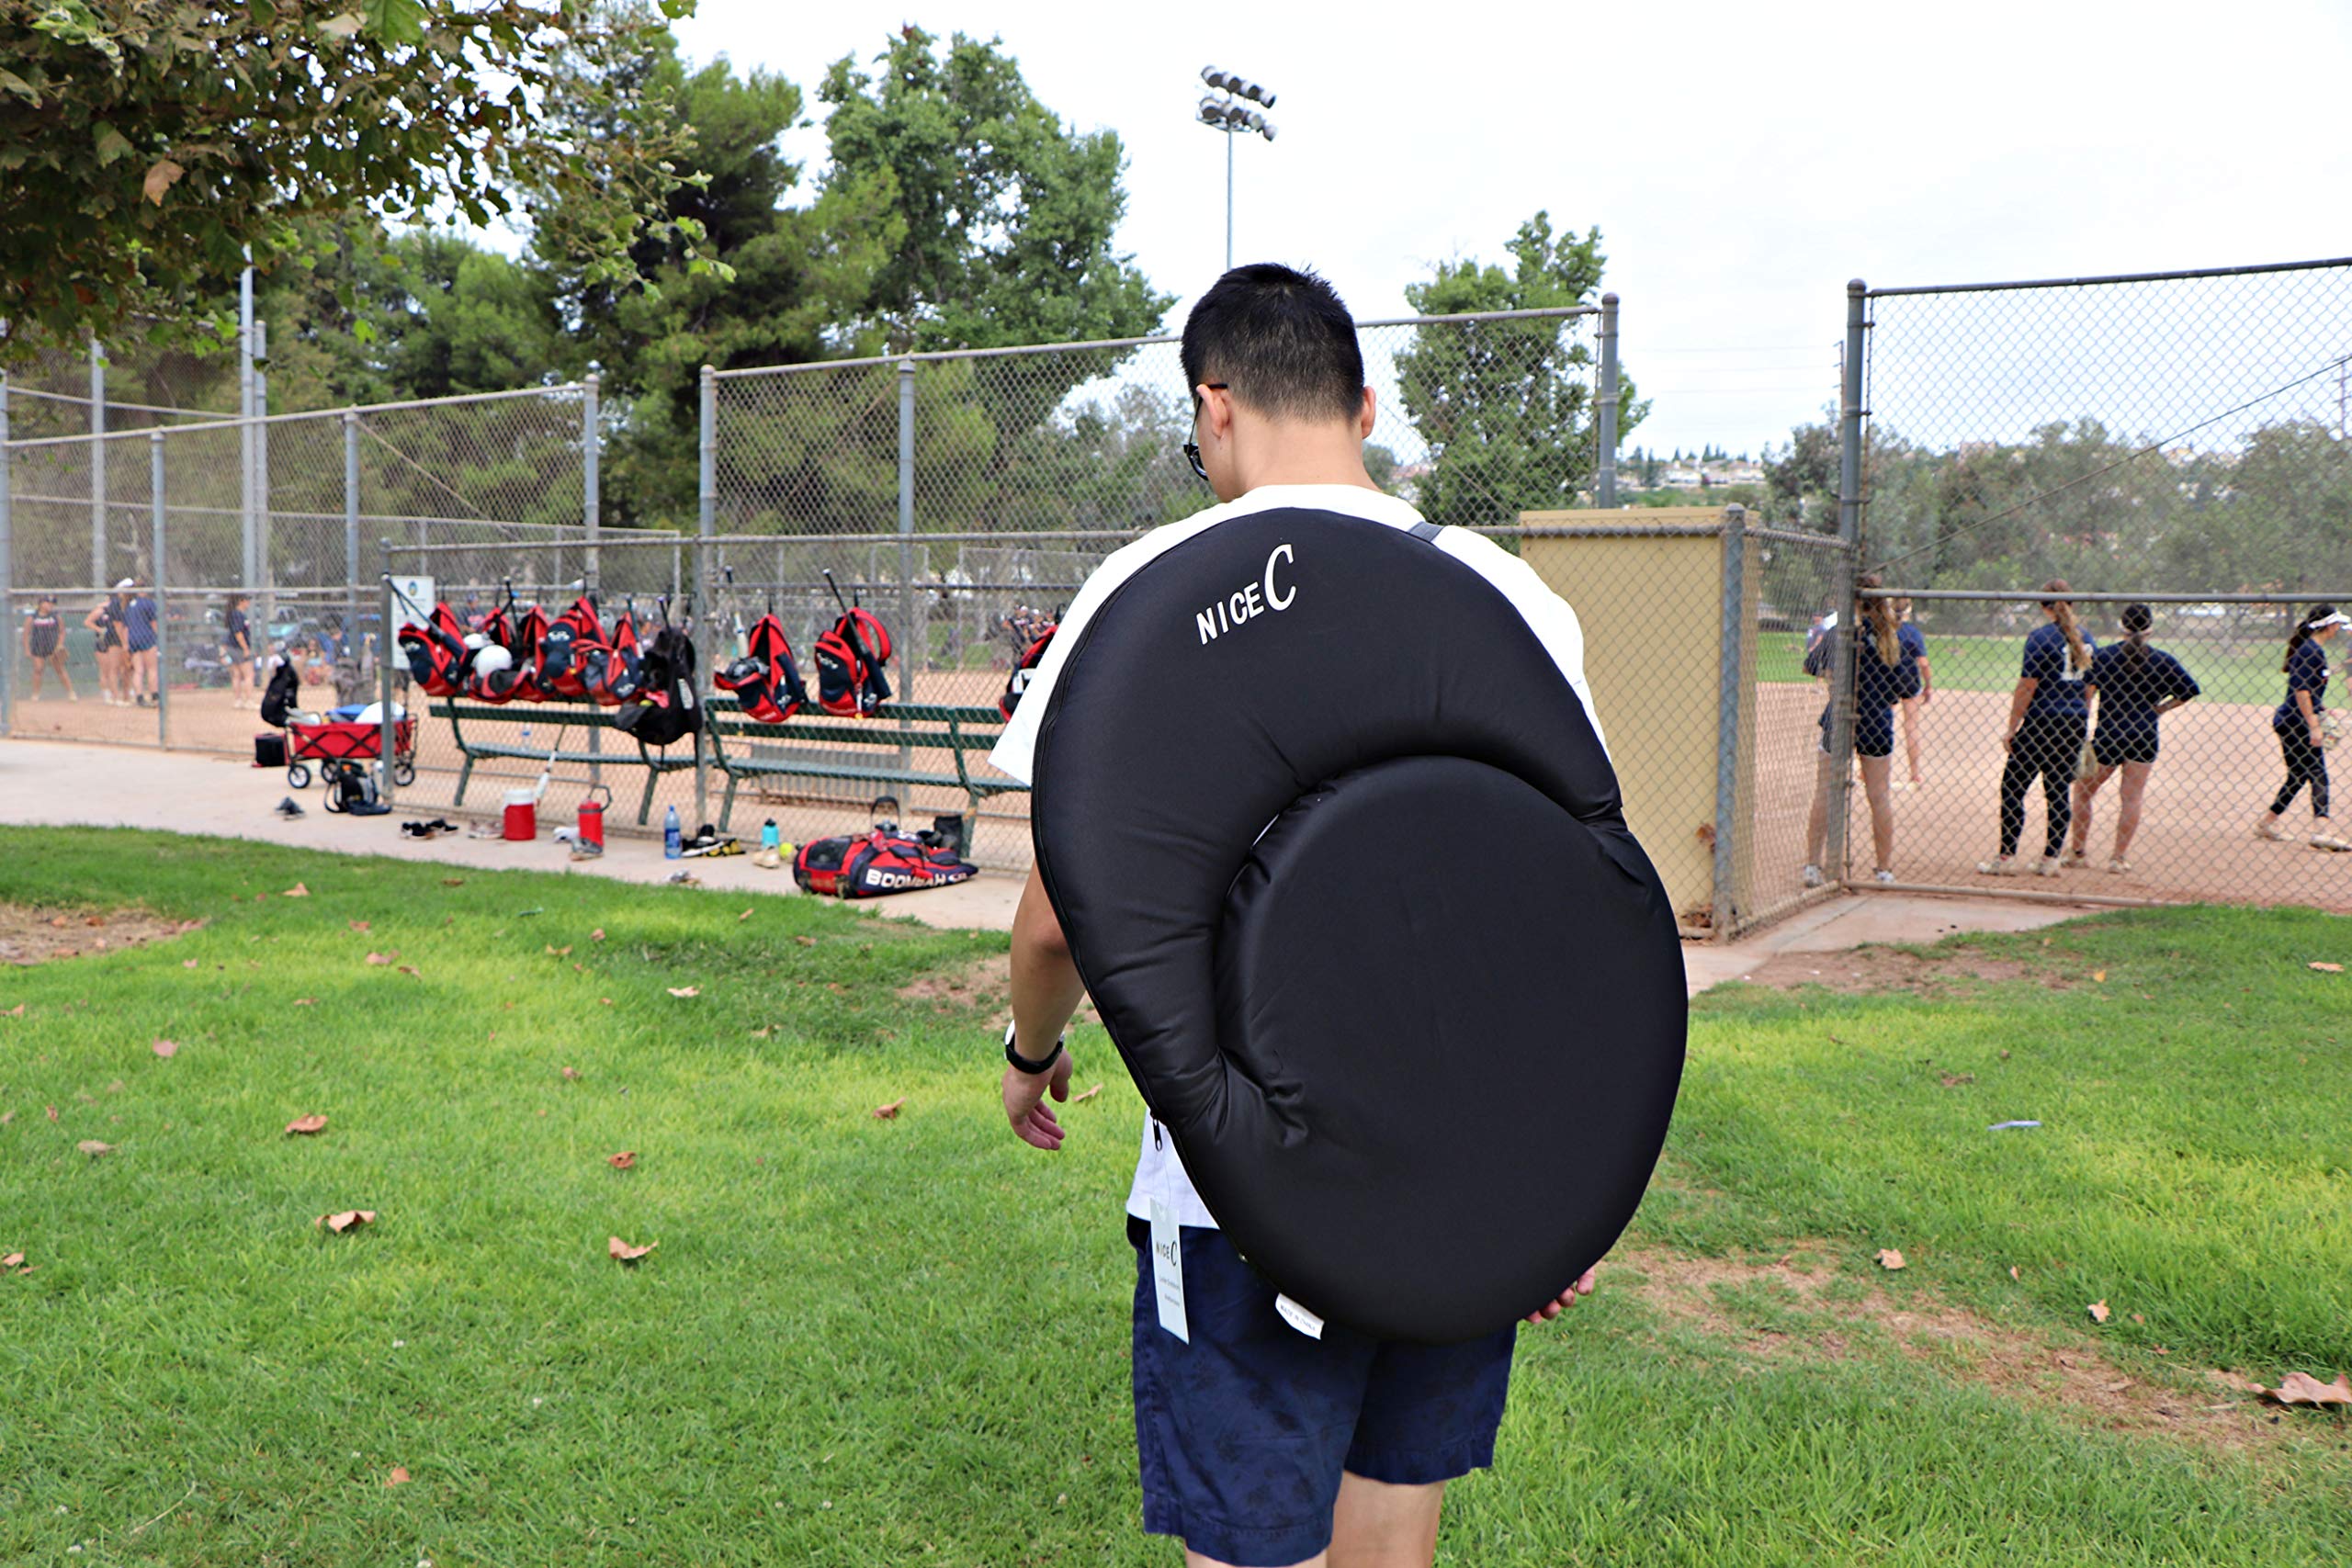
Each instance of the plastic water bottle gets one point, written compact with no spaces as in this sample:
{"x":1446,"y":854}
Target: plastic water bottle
{"x":673,"y":844}
{"x":769,"y":837}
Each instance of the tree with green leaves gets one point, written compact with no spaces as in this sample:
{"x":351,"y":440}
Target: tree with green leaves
{"x":148,"y":146}
{"x":1505,"y":406}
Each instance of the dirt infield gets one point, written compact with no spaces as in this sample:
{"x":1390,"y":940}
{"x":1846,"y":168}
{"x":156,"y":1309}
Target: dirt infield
{"x":2216,"y":773}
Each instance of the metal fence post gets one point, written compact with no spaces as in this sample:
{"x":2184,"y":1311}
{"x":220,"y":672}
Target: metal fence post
{"x":917,"y":641}
{"x":266,"y":576}
{"x":1850,"y":536}
{"x":248,"y":574}
{"x":387,"y":754}
{"x":351,"y":533}
{"x":706,"y":528}
{"x":7,"y":568}
{"x":592,"y":448}
{"x":99,"y":577}
{"x":1604,"y":485}
{"x":155,"y":584}
{"x":1731,"y":691}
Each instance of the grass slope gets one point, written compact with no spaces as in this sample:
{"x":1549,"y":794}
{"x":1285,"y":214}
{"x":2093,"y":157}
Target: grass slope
{"x":864,"y":1341}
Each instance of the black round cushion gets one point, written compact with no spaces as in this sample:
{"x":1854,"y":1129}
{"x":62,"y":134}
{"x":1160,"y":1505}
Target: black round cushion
{"x":1342,"y":863}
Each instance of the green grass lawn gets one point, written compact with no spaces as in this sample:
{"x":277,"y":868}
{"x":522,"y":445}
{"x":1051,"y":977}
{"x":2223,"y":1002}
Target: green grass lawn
{"x":865,"y":1341}
{"x":2228,"y":671}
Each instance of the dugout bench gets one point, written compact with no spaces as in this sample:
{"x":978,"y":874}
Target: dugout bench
{"x":562,"y":713}
{"x":881,"y":749}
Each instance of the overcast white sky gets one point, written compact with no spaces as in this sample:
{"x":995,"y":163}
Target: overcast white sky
{"x":1742,"y":161}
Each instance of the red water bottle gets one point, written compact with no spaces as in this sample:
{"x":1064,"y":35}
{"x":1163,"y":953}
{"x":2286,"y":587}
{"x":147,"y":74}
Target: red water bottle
{"x":591,"y":817}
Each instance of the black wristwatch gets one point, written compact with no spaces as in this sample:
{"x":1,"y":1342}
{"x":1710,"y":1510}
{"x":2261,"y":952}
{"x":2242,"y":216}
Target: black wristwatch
{"x":1024,"y":1064}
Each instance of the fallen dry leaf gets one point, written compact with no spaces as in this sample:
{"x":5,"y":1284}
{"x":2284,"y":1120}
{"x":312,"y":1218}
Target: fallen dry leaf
{"x":6,"y":1117}
{"x":384,"y":957}
{"x":2137,"y":1318}
{"x":409,"y":969}
{"x":168,"y":1049}
{"x":1890,"y":1258}
{"x":453,"y":882}
{"x":52,"y":1113}
{"x":624,"y":1160}
{"x":1954,"y":1081}
{"x":398,"y":1476}
{"x":188,"y":963}
{"x":2013,"y":1270}
{"x":297,"y":891}
{"x":2328,"y":968}
{"x":685,"y":990}
{"x":806,"y":940}
{"x":346,"y":1219}
{"x":571,"y":1074}
{"x":2099,"y":976}
{"x":744,"y":916}
{"x":94,"y":1149}
{"x":621,"y":1251}
{"x":890,"y":1112}
{"x":306,"y":1001}
{"x":306,"y":1124}
{"x":359,"y":925}
{"x":763,"y":1031}
{"x":563,"y":952}
{"x":2301,"y":1388}
{"x":603,"y":1001}
{"x":1089,"y":1094}
{"x":596,"y":935}
{"x":12,"y":1260}
{"x":2098,"y":1311}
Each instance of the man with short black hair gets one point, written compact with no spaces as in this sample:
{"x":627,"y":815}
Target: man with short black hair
{"x":1260,"y":1446}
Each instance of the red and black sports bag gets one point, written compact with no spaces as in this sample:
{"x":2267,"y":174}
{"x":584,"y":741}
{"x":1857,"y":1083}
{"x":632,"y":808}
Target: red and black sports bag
{"x":1026,"y":669}
{"x":614,"y":680}
{"x":765,"y":681}
{"x":571,"y":653}
{"x":869,"y":865}
{"x":436,"y":652}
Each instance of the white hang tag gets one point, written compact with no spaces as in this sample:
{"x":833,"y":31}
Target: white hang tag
{"x":1168,"y":1270}
{"x":1298,"y":1317}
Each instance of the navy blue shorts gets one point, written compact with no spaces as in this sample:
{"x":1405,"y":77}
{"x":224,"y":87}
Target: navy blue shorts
{"x":2109,"y":748}
{"x":1244,"y":1432}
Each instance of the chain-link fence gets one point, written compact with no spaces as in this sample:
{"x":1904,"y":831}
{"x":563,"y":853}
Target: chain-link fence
{"x":2178,"y":440}
{"x":132,"y":553}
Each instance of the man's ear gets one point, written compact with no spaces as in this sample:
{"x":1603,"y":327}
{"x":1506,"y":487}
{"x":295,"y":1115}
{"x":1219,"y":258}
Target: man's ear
{"x":1364,"y":419}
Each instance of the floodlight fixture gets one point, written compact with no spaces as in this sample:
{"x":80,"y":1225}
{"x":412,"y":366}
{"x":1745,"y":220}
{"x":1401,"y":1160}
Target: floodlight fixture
{"x":1219,"y":111}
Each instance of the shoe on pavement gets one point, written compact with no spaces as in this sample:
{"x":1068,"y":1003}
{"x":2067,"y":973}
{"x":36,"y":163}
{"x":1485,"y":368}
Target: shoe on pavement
{"x":2049,"y":865}
{"x":1811,"y":876}
{"x":2117,"y":866}
{"x":2330,"y":841}
{"x":2003,"y":867}
{"x":1883,"y":877}
{"x":768,"y":860}
{"x":2267,"y":828}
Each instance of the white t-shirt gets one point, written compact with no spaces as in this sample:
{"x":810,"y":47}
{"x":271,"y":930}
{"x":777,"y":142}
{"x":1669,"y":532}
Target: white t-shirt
{"x":1159,"y":1173}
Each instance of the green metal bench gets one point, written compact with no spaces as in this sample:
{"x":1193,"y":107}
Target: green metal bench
{"x":899,"y":730}
{"x":561,"y":716}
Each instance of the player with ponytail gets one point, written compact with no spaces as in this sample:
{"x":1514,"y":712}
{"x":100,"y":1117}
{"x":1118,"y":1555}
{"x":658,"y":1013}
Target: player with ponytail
{"x":1884,"y":675}
{"x":2305,"y":728}
{"x":2135,"y":685}
{"x":2049,"y":714}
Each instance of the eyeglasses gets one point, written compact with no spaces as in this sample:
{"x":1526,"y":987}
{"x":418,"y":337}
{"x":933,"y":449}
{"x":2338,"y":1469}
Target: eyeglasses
{"x":1192,"y":448}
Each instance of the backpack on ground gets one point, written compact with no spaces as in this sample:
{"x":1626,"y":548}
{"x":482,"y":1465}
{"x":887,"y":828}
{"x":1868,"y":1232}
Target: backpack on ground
{"x":765,"y":681}
{"x":665,"y":707}
{"x":850,"y":660}
{"x":278,"y":699}
{"x":435,"y":652}
{"x":870,"y":866}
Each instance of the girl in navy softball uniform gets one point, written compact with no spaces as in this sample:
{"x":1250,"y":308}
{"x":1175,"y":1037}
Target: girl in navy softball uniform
{"x":2049,"y":714}
{"x":1914,"y":643}
{"x":1885,"y":672}
{"x":2135,"y":685}
{"x":2305,"y":728}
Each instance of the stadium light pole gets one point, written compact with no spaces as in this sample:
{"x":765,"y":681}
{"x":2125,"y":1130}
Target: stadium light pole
{"x":1221,"y":111}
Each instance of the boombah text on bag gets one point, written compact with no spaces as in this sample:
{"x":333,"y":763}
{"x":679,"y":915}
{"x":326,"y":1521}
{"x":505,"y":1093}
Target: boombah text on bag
{"x":871,"y":865}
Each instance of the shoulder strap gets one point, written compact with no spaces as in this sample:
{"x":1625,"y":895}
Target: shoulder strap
{"x":1425,"y":529}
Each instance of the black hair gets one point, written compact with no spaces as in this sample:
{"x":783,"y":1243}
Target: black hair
{"x":1281,"y":339}
{"x":2303,"y":633}
{"x":2137,"y":619}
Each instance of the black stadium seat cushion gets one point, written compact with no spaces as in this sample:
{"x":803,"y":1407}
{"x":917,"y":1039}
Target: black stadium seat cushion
{"x":1342,"y":861}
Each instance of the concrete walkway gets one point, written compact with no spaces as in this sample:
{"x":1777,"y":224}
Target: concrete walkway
{"x":59,"y":783}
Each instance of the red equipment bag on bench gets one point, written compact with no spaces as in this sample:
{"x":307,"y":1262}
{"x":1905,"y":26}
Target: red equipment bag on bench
{"x":572,"y":652}
{"x":765,"y":681}
{"x":869,"y":865}
{"x":436,"y":652}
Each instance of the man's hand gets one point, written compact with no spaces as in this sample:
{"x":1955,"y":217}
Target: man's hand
{"x":1583,"y":1287}
{"x":1033,"y":1119}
